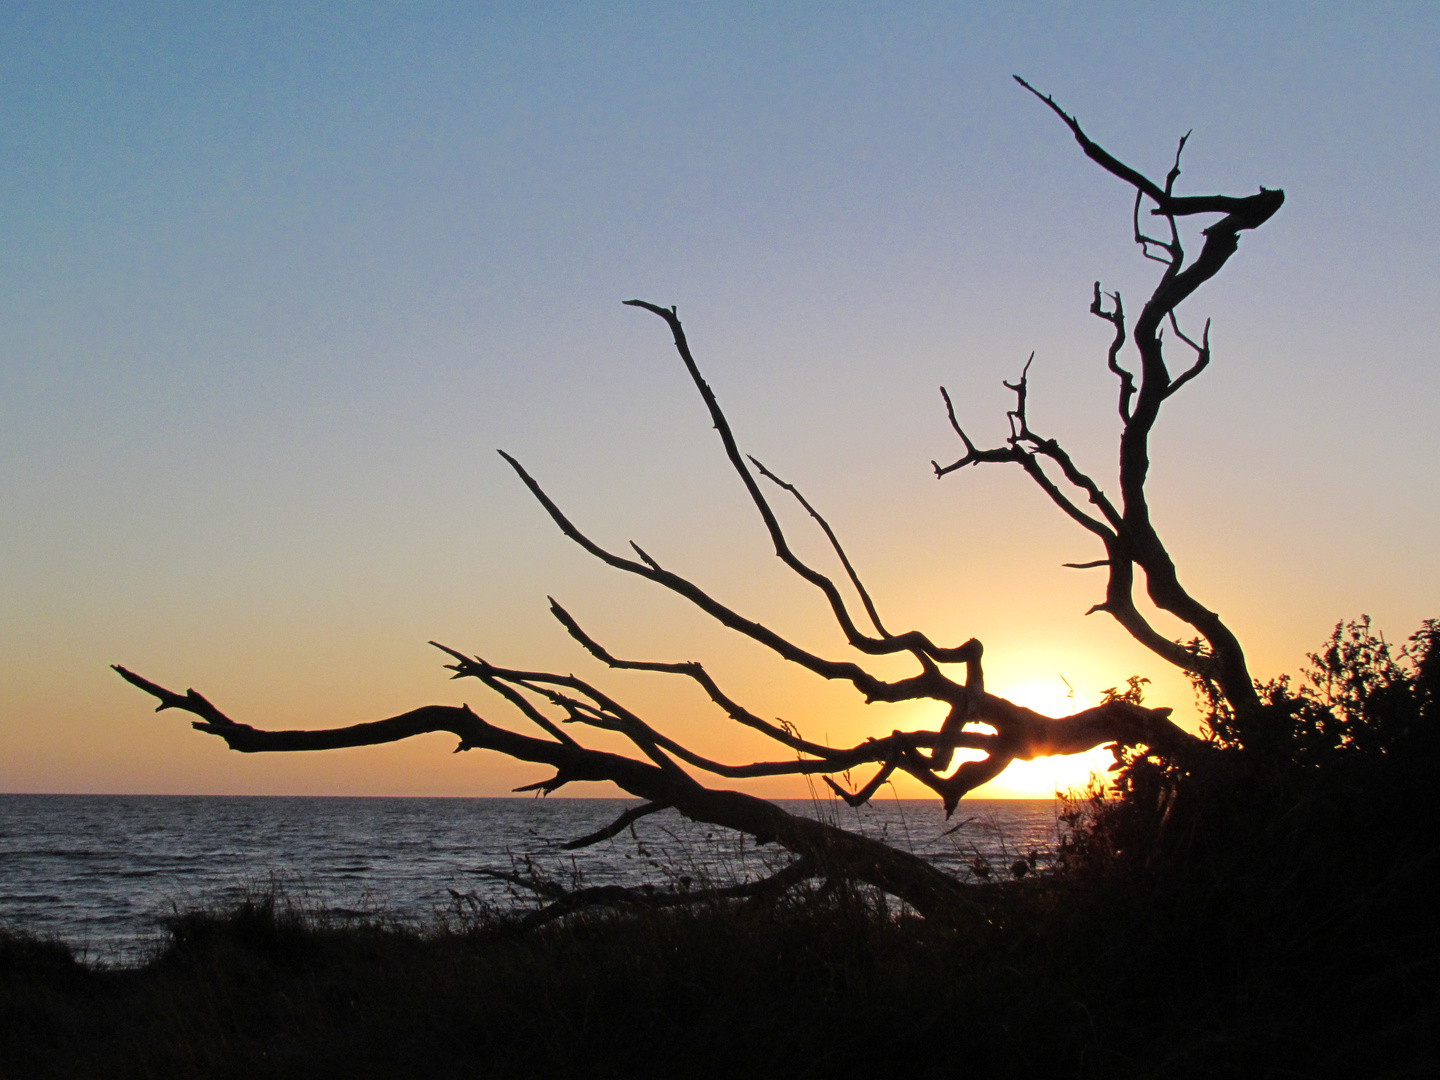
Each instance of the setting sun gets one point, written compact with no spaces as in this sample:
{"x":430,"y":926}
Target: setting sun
{"x":1047,"y":776}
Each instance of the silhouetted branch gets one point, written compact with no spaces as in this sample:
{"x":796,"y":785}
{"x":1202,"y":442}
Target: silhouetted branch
{"x":1243,"y":212}
{"x":693,"y":670}
{"x":973,"y":455}
{"x":853,"y":633}
{"x":191,"y":701}
{"x":834,"y":543}
{"x":872,"y":687}
{"x":928,"y":890}
{"x":1202,"y":354}
{"x":616,"y":827}
{"x":1024,"y":448}
{"x":568,"y":901}
{"x":1097,"y":153}
{"x":1128,"y":534}
{"x":866,"y":793}
{"x":1116,"y":318}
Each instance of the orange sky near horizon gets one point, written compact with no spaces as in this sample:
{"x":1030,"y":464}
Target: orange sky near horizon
{"x":277,"y":285}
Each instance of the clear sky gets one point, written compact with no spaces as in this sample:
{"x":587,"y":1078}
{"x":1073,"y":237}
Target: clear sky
{"x":276,"y":279}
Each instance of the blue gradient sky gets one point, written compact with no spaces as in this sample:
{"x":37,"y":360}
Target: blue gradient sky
{"x":277,"y":279}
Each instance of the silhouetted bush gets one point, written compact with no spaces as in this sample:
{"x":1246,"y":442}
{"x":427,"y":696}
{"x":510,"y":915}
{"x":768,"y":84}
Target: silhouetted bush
{"x":1293,"y":873}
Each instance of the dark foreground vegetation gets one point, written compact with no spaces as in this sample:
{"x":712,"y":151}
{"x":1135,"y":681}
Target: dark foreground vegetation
{"x":1272,"y":914}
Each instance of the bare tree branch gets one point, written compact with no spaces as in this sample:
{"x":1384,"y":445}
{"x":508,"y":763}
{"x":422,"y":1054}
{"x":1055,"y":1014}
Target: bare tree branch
{"x":866,"y":793}
{"x":651,"y":570}
{"x":872,"y":687}
{"x":1131,"y":539}
{"x":1202,"y":355}
{"x":1117,"y":319}
{"x":1243,"y":212}
{"x":566,"y":901}
{"x":834,"y":543}
{"x":693,"y":670}
{"x":852,"y":632}
{"x":1097,"y":153}
{"x":1024,"y":448}
{"x":912,"y":641}
{"x":928,"y":890}
{"x":616,"y":827}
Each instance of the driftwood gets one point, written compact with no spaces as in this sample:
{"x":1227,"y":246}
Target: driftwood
{"x":980,"y":724}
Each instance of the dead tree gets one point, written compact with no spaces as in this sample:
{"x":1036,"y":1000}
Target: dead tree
{"x":1126,"y":531}
{"x":662,"y":772}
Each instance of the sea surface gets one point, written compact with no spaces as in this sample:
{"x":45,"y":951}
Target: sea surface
{"x":101,"y":872}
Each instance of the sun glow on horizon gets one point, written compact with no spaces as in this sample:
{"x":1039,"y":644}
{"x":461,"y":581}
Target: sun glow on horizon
{"x":279,"y":281}
{"x":1045,"y":777}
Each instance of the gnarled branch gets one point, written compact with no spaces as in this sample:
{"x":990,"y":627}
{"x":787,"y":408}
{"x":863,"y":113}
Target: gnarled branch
{"x":1128,"y":534}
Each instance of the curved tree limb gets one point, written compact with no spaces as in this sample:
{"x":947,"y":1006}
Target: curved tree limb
{"x":1131,"y":539}
{"x":834,"y":543}
{"x":567,"y":901}
{"x":1021,"y":734}
{"x":912,"y":641}
{"x":616,"y":827}
{"x":929,"y":891}
{"x":872,"y":687}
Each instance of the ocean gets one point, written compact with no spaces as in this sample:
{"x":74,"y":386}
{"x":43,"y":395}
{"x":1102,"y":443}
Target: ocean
{"x":101,"y":872}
